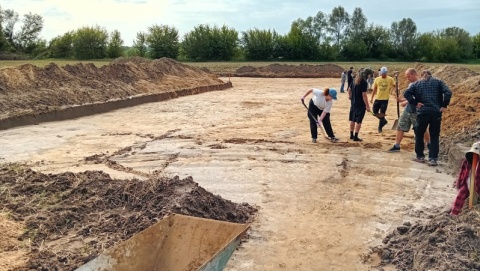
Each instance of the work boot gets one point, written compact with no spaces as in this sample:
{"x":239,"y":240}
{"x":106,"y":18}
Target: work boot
{"x":383,"y":122}
{"x":394,"y":149}
{"x":333,"y":139}
{"x":357,"y":139}
{"x":432,"y":162}
{"x":419,"y":159}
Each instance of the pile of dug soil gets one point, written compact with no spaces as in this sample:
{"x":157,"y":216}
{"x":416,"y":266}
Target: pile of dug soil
{"x":290,"y":71}
{"x":441,"y":242}
{"x":30,"y":89}
{"x":73,"y":217}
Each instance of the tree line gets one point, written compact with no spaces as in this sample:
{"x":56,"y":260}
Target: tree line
{"x":337,"y":36}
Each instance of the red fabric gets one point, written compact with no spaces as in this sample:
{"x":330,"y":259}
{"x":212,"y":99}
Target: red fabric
{"x":462,"y":185}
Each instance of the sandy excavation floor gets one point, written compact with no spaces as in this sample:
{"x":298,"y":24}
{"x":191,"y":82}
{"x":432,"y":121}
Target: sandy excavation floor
{"x":321,"y":206}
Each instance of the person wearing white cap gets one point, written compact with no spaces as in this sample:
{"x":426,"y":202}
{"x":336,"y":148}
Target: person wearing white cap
{"x":382,"y":87}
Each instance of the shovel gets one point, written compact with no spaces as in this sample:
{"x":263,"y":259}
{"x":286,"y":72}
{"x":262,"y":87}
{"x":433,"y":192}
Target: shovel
{"x":395,"y":123}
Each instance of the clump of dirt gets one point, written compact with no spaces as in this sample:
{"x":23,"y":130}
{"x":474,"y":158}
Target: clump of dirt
{"x":290,"y":71}
{"x":30,"y":89}
{"x":71,"y":218}
{"x":441,"y":242}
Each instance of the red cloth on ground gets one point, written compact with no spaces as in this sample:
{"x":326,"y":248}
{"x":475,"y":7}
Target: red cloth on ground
{"x":462,"y":185}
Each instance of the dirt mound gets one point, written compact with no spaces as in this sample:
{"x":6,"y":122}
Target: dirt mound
{"x":133,"y":59}
{"x":290,"y":71}
{"x":439,"y":243}
{"x":30,"y":89}
{"x":72,"y":217}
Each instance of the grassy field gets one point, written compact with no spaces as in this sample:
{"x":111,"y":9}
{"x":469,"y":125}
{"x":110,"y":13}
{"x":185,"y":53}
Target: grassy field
{"x":231,"y":67}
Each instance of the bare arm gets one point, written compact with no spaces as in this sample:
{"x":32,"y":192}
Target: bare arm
{"x":307,"y":93}
{"x":320,"y":119}
{"x":373,"y":92}
{"x":365,"y":100}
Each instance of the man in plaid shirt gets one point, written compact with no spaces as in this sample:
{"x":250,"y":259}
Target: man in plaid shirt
{"x":431,"y":97}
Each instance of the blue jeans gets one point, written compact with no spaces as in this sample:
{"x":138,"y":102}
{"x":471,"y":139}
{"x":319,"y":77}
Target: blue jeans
{"x":342,"y":87}
{"x":433,"y":120}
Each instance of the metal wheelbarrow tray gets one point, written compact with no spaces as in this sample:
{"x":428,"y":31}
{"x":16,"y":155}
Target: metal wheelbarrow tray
{"x":177,"y":242}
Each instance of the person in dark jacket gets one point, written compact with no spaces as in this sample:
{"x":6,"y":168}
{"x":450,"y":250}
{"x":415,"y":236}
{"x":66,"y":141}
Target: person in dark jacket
{"x":431,"y":96}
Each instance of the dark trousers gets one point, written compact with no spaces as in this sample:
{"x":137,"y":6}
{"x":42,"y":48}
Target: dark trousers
{"x":433,"y":120}
{"x":380,"y":106}
{"x":313,"y":113}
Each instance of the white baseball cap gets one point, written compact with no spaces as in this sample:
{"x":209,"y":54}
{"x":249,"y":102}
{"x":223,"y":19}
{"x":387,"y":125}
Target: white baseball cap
{"x":383,"y":70}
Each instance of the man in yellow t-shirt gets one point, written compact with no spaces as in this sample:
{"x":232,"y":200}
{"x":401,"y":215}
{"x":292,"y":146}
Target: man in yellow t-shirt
{"x":383,"y":85}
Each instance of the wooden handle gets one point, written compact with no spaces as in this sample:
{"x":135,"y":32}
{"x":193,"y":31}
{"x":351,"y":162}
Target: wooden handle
{"x":472,"y":198}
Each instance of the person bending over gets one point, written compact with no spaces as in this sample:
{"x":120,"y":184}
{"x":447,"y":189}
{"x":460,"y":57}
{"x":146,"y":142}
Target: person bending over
{"x":319,"y":111}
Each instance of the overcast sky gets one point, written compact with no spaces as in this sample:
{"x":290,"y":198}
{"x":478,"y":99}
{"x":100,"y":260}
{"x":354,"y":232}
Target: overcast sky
{"x":133,"y":16}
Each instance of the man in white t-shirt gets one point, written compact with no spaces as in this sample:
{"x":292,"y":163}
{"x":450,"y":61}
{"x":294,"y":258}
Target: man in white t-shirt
{"x":319,"y":111}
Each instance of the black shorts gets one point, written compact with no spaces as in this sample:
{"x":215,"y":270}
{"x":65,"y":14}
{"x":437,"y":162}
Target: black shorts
{"x":380,"y":106}
{"x":356,"y":115}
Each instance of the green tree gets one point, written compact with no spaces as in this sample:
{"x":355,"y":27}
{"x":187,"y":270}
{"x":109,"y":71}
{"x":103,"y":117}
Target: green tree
{"x":314,"y":26}
{"x":4,"y":45}
{"x":90,"y":43}
{"x":39,"y":50}
{"x":258,"y":44}
{"x":9,"y":18}
{"x":354,"y":49}
{"x":476,"y":46}
{"x":281,"y":48}
{"x":464,"y":41}
{"x":358,"y":24}
{"x":300,"y":45}
{"x":338,"y":22}
{"x":427,"y":49}
{"x":115,"y":45}
{"x":28,"y":37}
{"x":62,"y":46}
{"x":163,"y":41}
{"x":447,"y":49}
{"x":377,"y":41}
{"x":140,"y":44}
{"x":404,"y":39}
{"x":207,"y":43}
{"x":320,"y":27}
